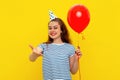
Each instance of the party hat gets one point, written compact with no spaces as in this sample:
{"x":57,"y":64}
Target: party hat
{"x":52,"y":16}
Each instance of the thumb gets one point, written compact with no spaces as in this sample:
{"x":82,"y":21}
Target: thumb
{"x":31,"y":46}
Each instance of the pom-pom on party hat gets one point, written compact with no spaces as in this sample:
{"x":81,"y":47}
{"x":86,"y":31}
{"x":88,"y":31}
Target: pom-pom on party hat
{"x":52,"y":16}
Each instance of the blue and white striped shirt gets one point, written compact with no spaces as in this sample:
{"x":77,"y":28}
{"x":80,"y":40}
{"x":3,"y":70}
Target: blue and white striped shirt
{"x":56,"y":61}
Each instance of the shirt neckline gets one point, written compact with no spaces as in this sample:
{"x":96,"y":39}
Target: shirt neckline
{"x":58,"y":44}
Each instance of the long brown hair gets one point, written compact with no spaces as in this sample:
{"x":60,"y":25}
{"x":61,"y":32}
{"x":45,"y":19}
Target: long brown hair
{"x":64,"y":35}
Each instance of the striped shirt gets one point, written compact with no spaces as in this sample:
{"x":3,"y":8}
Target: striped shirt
{"x":56,"y":61}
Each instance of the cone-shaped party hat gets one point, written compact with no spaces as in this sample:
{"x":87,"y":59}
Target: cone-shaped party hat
{"x":52,"y":16}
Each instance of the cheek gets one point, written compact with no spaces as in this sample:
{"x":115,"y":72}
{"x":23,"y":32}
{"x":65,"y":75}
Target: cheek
{"x":59,"y":30}
{"x":48,"y":31}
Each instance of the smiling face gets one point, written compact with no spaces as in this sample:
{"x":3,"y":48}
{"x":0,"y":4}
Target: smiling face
{"x":57,"y":31}
{"x":54,"y":30}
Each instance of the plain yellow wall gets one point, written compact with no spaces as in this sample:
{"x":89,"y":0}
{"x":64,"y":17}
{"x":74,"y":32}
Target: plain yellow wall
{"x":24,"y":22}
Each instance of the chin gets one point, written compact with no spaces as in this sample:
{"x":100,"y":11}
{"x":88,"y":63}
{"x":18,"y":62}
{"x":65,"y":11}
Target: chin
{"x":54,"y":37}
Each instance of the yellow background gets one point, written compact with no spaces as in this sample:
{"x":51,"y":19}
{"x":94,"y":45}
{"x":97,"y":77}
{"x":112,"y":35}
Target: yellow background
{"x":24,"y":22}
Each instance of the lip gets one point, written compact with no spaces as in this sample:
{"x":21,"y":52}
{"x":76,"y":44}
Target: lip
{"x":53,"y":33}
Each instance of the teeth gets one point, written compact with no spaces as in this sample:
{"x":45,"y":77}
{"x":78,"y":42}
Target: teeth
{"x":53,"y":34}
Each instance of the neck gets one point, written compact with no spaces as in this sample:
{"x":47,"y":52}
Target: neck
{"x":58,"y":41}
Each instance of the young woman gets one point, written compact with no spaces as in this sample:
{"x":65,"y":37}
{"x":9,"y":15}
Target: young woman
{"x":59,"y":56}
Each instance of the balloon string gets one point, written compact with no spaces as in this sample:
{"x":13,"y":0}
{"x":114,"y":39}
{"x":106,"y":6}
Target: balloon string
{"x":79,"y":71}
{"x":78,"y":60}
{"x":83,"y":38}
{"x":78,"y":40}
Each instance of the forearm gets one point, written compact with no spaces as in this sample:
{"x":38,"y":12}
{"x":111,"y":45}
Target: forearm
{"x":75,"y":66}
{"x":33,"y":57}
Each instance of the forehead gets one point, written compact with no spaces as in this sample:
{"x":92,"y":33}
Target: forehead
{"x":53,"y":23}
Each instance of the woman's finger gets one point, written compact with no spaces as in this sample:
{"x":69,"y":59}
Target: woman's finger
{"x":79,"y":53}
{"x":31,"y":46}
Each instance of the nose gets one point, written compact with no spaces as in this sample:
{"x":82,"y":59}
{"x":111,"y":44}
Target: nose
{"x":51,"y":31}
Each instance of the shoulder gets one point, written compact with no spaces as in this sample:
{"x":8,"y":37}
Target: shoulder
{"x":42,"y":45}
{"x":70,"y":46}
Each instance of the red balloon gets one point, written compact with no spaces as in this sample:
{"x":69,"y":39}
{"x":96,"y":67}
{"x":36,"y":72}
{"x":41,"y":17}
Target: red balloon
{"x":78,"y":18}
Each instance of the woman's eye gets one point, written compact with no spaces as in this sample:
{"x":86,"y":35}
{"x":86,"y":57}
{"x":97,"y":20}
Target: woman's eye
{"x":50,"y":28}
{"x":55,"y":27}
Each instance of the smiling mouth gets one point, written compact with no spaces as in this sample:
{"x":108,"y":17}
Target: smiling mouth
{"x":53,"y":34}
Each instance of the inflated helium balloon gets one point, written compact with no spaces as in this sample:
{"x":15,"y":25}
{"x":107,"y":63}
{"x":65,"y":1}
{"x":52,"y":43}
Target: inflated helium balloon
{"x":78,"y":18}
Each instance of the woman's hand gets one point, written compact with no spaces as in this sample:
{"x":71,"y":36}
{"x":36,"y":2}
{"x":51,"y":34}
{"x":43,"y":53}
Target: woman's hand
{"x":37,"y":51}
{"x":78,"y":53}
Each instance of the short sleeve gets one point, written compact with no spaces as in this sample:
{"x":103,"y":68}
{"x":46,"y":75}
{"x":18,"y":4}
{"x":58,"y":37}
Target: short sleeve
{"x":41,"y":46}
{"x":72,"y":51}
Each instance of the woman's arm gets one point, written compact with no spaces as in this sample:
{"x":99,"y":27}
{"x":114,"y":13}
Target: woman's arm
{"x":36,"y":52}
{"x":74,"y":61}
{"x":73,"y":64}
